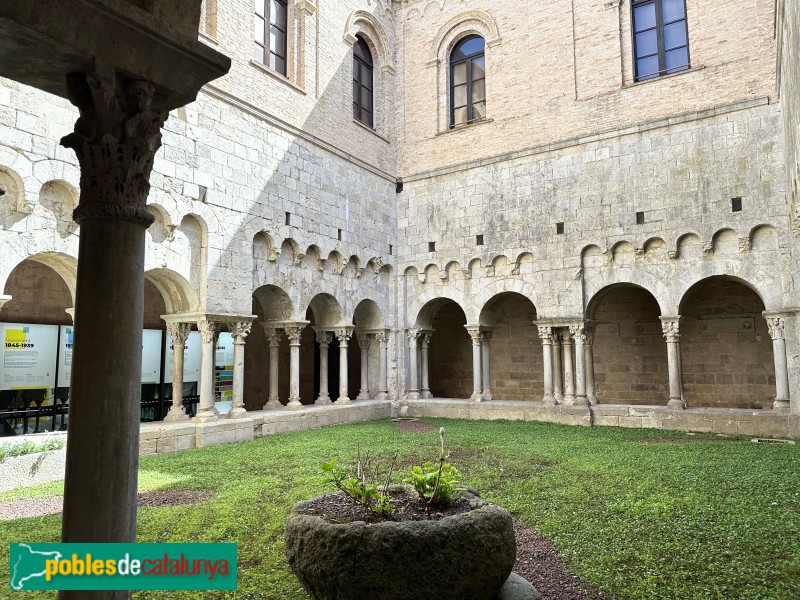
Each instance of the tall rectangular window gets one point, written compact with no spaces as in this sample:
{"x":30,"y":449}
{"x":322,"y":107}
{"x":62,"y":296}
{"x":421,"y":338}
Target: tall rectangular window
{"x":660,"y":38}
{"x":271,"y":26}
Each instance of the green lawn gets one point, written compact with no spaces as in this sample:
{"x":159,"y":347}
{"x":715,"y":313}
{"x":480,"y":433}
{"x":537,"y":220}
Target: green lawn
{"x":637,"y":520}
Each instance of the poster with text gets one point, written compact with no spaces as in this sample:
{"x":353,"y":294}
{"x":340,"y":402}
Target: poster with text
{"x":191,"y":359}
{"x":65,"y":356}
{"x":223,"y":384}
{"x":29,"y":356}
{"x":151,"y":355}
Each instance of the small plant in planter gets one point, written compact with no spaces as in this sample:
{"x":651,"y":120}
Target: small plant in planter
{"x":372,"y":539}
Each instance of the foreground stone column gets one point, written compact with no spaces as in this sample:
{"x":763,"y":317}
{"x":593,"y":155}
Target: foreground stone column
{"x":777,"y":331}
{"x":566,"y":353}
{"x":324,"y":340}
{"x":343,"y":335}
{"x":487,"y":386}
{"x":274,"y":340}
{"x":413,"y":385}
{"x":424,"y":342}
{"x":578,"y":332}
{"x":383,"y":378}
{"x":209,"y":330}
{"x":475,"y":334}
{"x":670,"y":326}
{"x":363,"y":344}
{"x":558,"y":376}
{"x":546,"y":333}
{"x":178,"y":333}
{"x":293,"y":332}
{"x":115,"y":140}
{"x":240,"y":330}
{"x":588,"y":357}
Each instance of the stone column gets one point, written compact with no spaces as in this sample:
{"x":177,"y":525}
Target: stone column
{"x":293,"y":332}
{"x":274,"y":339}
{"x":383,"y":379}
{"x":324,"y":340}
{"x":343,"y":335}
{"x":566,"y":363}
{"x":475,"y":334}
{"x":777,"y":331}
{"x":115,"y":140}
{"x":588,"y":357}
{"x":487,"y":386}
{"x":206,"y":411}
{"x":363,"y":344}
{"x":240,"y":330}
{"x":413,"y":385}
{"x":578,"y":332}
{"x":178,"y":333}
{"x":546,"y":333}
{"x":424,"y":342}
{"x":670,"y":326}
{"x":558,"y":376}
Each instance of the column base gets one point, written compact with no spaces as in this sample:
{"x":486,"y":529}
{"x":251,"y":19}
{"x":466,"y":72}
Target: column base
{"x":676,"y":404}
{"x":206,"y":414}
{"x":176,"y":415}
{"x":363,"y":395}
{"x":592,"y":399}
{"x":476,"y":397}
{"x":559,"y":397}
{"x":425,"y":394}
{"x":341,"y":400}
{"x":294,"y":404}
{"x":273,"y":404}
{"x":781,"y":405}
{"x":382,"y":396}
{"x":413,"y":395}
{"x":550,"y":400}
{"x":324,"y":400}
{"x":487,"y":396}
{"x":236,"y":413}
{"x":569,"y":400}
{"x":581,"y":401}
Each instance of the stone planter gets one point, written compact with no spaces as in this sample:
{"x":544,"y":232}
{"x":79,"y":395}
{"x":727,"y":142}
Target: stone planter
{"x":466,"y":556}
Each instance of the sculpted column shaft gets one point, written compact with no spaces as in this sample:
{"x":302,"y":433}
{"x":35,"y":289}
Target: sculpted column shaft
{"x":487,"y":386}
{"x":343,"y":335}
{"x":777,"y":331}
{"x":363,"y":344}
{"x":424,"y":341}
{"x":546,"y":333}
{"x":178,"y":333}
{"x":324,"y":339}
{"x":206,"y":411}
{"x":558,"y":389}
{"x":566,"y":352}
{"x":413,"y":386}
{"x":383,"y":383}
{"x":670,"y":326}
{"x":578,"y":332}
{"x":588,"y":354}
{"x":274,"y":339}
{"x":294,"y":332}
{"x":475,"y":334}
{"x":239,"y":330}
{"x":115,"y":140}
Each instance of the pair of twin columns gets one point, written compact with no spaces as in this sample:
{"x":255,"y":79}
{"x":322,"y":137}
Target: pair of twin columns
{"x":568,"y":362}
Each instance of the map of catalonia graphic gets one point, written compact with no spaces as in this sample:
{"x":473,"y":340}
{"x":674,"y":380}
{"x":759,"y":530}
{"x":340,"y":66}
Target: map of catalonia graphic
{"x":29,"y":564}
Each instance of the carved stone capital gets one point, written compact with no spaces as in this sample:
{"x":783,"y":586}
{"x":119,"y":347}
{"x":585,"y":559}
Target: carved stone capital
{"x":565,"y":334}
{"x":588,"y":334}
{"x":324,"y":338}
{"x":240,"y":330}
{"x":115,"y":139}
{"x":208,"y":330}
{"x":293,"y":332}
{"x":777,"y":328}
{"x":546,"y":333}
{"x":475,"y":335}
{"x":274,"y":336}
{"x":670,"y":327}
{"x":578,"y":332}
{"x":487,"y":336}
{"x":343,"y":335}
{"x":364,"y":340}
{"x":178,"y":332}
{"x":413,"y":334}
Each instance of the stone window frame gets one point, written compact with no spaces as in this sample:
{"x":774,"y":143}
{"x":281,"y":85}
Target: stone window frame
{"x":208,"y":19}
{"x":366,"y":26}
{"x":474,"y":22}
{"x":268,"y":26}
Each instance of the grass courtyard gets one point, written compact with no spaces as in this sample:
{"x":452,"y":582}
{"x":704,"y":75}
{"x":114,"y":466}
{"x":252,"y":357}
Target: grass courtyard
{"x":636,"y":519}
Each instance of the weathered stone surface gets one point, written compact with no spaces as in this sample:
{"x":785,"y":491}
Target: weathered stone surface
{"x":466,"y":557}
{"x":518,"y":588}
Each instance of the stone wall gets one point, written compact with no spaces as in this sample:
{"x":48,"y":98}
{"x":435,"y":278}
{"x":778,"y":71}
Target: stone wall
{"x":40,"y":296}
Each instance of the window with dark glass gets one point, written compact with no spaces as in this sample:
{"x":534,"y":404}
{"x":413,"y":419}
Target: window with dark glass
{"x":467,"y":81}
{"x":362,"y":83}
{"x":271,"y":26}
{"x":660,"y":40}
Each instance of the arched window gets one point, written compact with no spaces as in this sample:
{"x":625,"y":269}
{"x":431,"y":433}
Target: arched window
{"x":468,"y":81}
{"x":362,"y":83}
{"x":271,"y":21}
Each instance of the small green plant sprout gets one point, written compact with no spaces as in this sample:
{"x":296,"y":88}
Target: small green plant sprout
{"x":434,"y":483}
{"x":362,"y":487}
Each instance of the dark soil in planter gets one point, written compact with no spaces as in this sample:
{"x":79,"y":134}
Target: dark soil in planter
{"x":412,"y":426}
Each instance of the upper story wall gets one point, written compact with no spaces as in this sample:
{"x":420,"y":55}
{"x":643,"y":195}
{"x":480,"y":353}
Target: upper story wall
{"x":561,"y":70}
{"x":316,"y":95}
{"x":789,"y":62}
